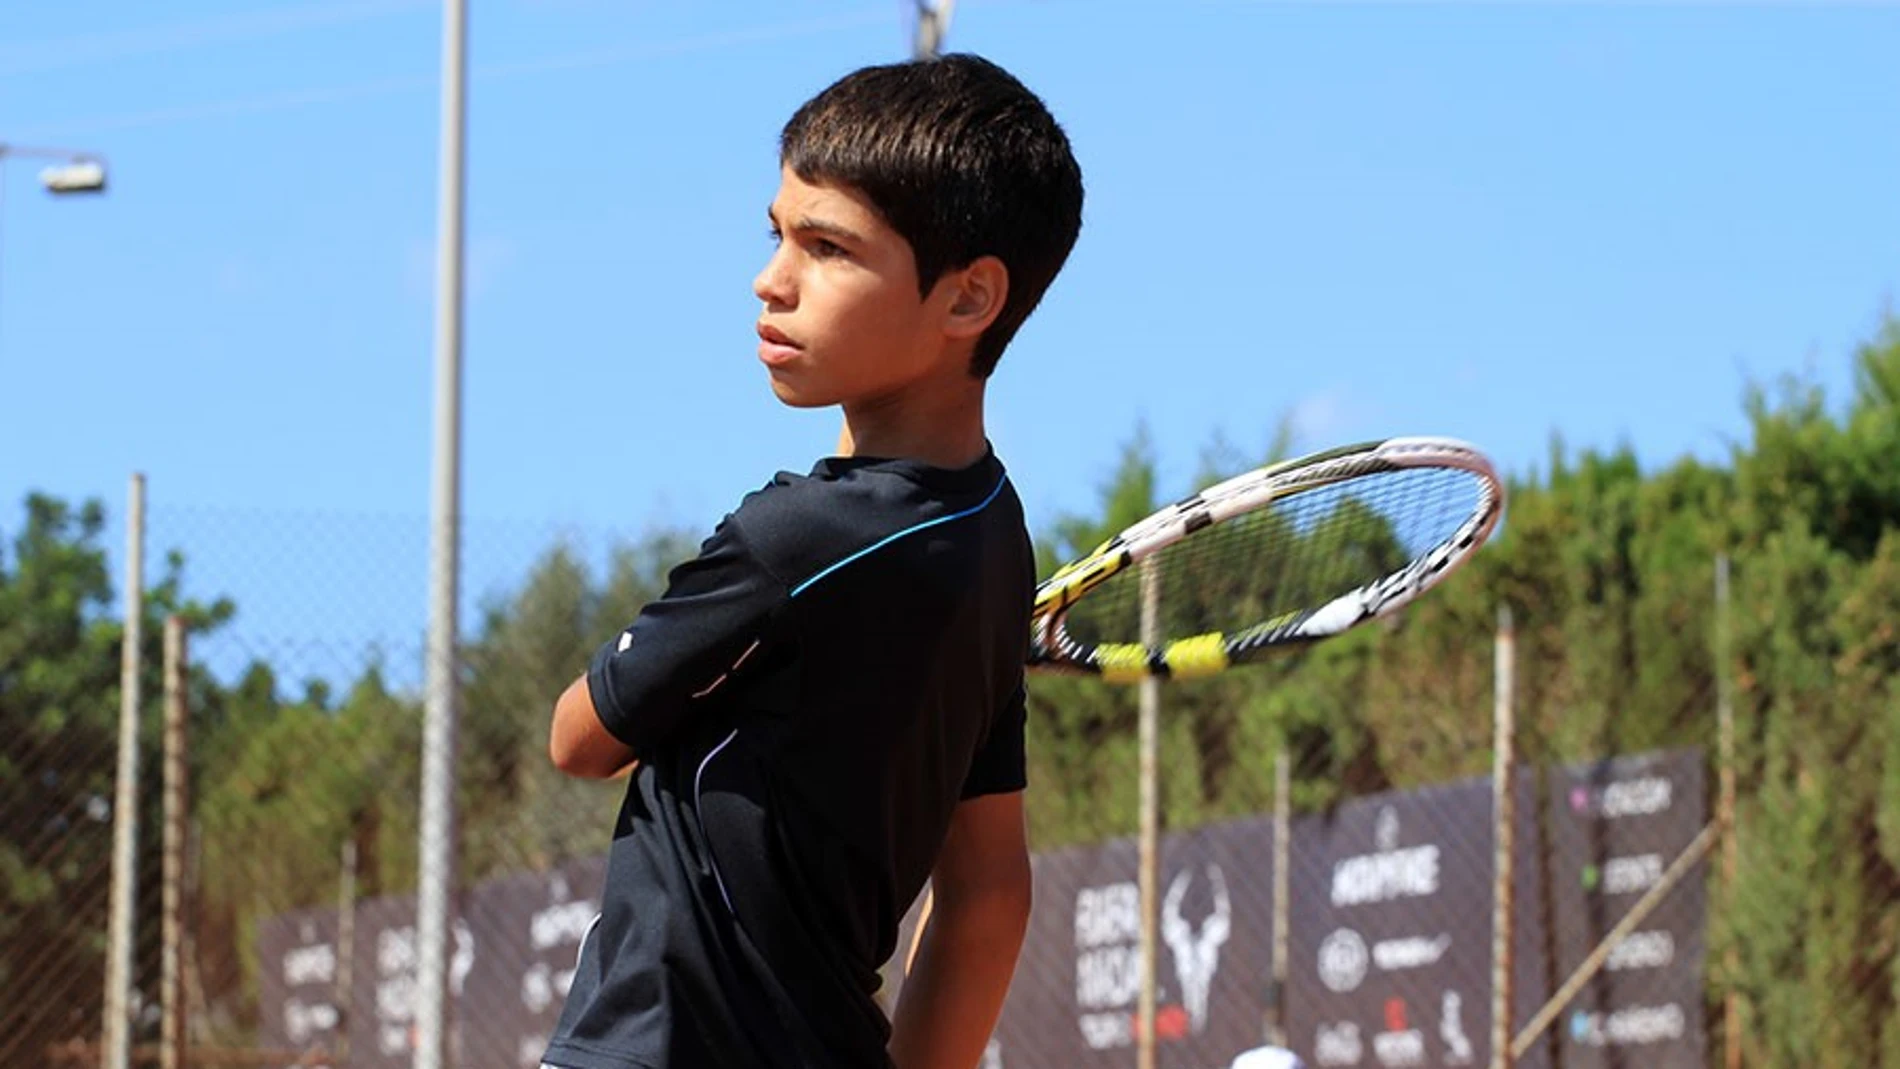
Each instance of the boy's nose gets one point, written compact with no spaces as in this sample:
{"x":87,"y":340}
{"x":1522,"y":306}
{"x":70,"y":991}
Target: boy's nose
{"x":772,"y":286}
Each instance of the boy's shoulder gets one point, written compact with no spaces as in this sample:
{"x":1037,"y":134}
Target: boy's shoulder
{"x":799,"y":525}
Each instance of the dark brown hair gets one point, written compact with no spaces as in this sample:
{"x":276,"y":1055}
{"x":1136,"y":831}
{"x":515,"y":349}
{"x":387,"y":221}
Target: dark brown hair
{"x":962,"y":160}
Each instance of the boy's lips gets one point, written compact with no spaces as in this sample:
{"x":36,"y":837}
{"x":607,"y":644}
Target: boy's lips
{"x":775,"y":346}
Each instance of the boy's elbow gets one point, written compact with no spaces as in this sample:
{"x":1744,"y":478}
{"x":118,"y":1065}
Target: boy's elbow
{"x":564,"y":754}
{"x":577,"y":743}
{"x":581,"y":761}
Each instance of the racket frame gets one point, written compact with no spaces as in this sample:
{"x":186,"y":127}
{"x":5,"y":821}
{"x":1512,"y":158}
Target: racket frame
{"x":1052,"y":649}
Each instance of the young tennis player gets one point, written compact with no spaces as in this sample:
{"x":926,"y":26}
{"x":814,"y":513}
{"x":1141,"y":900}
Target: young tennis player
{"x":825,"y":709}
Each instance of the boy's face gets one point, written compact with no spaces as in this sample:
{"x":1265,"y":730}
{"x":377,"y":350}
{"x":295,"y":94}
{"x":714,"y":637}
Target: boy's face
{"x":842,"y":321}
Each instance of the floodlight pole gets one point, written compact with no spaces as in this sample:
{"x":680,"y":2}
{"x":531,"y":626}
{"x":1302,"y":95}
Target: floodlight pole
{"x":933,"y":24}
{"x":436,"y":880}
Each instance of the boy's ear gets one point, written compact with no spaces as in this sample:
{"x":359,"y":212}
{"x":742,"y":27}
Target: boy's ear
{"x":979,"y":291}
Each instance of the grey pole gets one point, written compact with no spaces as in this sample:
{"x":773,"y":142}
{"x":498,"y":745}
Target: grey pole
{"x":438,"y":832}
{"x":117,"y":1038}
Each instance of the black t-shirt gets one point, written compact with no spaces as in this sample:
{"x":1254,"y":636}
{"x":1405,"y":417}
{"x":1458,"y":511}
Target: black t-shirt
{"x":815,"y":693}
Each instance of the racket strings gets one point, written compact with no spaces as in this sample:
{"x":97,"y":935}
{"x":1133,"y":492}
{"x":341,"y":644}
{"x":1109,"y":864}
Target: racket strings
{"x":1291,"y":556}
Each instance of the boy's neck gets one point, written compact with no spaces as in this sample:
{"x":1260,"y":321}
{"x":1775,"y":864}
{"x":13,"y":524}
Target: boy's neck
{"x":942,"y":428}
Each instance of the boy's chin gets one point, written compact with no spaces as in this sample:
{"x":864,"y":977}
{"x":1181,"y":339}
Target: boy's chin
{"x":793,"y":397}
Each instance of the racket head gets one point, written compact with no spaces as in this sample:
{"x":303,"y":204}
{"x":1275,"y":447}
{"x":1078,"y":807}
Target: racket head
{"x":1280,"y":556}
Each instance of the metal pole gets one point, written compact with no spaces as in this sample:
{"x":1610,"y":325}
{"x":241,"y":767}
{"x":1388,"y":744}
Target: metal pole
{"x":195,"y":1002}
{"x":346,"y":949}
{"x":1276,"y":1032}
{"x":933,"y":24}
{"x":1150,"y":817}
{"x":1725,"y":813}
{"x":117,"y":1045}
{"x":1504,"y":795}
{"x":171,"y":1052}
{"x":438,"y":831}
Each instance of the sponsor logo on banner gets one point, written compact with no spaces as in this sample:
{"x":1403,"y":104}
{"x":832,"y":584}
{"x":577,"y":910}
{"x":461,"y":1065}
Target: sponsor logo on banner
{"x":1196,"y":950}
{"x":1344,"y":957}
{"x":539,"y":984}
{"x":565,"y":922}
{"x":311,"y":963}
{"x":1619,"y":824}
{"x":1385,"y":830}
{"x":302,"y":1021}
{"x":1626,"y":875}
{"x":1632,"y":1026}
{"x":298,"y":966}
{"x":1390,"y":873}
{"x":1411,"y":952}
{"x":315,"y":964}
{"x":1342,"y":960}
{"x":1108,"y":957}
{"x":1338,"y":1044}
{"x":1642,"y":950}
{"x":396,"y":963}
{"x":1400,"y":1044}
{"x":1107,"y":962}
{"x":1451,"y":1029}
{"x":1628,"y":798}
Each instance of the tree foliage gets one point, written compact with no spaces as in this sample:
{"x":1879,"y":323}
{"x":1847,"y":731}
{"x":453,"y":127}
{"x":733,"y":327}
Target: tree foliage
{"x":1606,"y":567}
{"x":1608,"y":570}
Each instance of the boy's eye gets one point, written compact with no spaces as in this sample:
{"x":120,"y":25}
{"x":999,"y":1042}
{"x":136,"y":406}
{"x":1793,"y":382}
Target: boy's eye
{"x":773,"y":234}
{"x":825,"y":250}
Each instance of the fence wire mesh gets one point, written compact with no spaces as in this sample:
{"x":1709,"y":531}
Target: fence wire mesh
{"x":1643,"y":927}
{"x":59,"y":712}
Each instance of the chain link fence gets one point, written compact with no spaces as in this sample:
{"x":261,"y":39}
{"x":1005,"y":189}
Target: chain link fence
{"x":307,"y":811}
{"x":1361,"y":915}
{"x":1703,"y":786}
{"x":60,"y":680}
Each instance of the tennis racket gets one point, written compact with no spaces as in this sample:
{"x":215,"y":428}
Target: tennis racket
{"x":1282,"y":556}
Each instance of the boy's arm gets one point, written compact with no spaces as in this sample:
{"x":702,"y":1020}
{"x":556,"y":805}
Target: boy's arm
{"x":642,"y":685}
{"x":579,"y":744}
{"x":980,"y":894}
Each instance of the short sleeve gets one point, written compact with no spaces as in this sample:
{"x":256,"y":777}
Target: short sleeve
{"x":1000,"y":764}
{"x":682,"y":646}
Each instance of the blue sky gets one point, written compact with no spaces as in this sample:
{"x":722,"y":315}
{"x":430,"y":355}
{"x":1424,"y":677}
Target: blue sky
{"x":1496,"y":220}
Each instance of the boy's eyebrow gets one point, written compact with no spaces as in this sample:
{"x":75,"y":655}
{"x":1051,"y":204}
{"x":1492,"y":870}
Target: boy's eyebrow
{"x":810,"y":225}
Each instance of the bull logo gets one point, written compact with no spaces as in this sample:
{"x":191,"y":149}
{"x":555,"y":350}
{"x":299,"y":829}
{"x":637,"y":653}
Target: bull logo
{"x":1196,"y":953}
